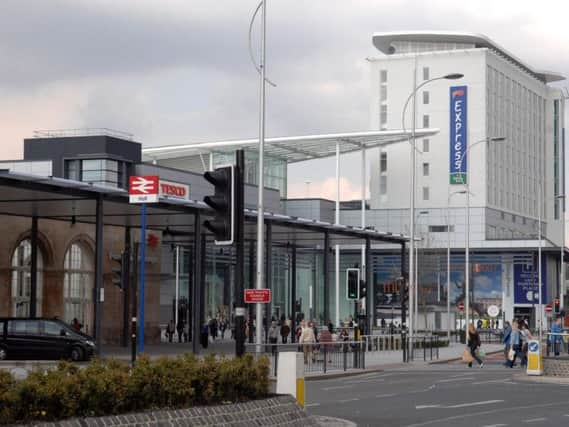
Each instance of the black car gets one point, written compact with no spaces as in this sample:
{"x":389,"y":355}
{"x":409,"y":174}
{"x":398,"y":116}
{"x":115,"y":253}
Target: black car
{"x":42,"y":339}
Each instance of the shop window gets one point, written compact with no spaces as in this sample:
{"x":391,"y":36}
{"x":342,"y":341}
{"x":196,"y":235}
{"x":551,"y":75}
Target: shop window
{"x":78,"y":286}
{"x":22,"y":280}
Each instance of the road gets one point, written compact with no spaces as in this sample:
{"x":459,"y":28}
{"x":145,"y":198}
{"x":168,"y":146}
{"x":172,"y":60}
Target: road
{"x":440,"y":395}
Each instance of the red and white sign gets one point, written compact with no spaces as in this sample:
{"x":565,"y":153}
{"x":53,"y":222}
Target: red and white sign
{"x":257,"y":296}
{"x":461,"y":306}
{"x":174,"y":190}
{"x":143,"y":189}
{"x":548,"y":308}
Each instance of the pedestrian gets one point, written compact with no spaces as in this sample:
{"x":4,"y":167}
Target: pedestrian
{"x":315,"y":330}
{"x":383,"y":324}
{"x":204,"y":335}
{"x":180,"y":329}
{"x":525,"y":336}
{"x":474,"y":344}
{"x":515,"y":344}
{"x":326,"y":337}
{"x":273,"y":336}
{"x":506,"y":340}
{"x":556,"y":340}
{"x":170,"y":330}
{"x":76,"y":325}
{"x":307,"y":340}
{"x":285,"y":331}
{"x":222,"y":327}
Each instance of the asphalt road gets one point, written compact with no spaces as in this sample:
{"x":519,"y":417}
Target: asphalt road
{"x":440,"y":395}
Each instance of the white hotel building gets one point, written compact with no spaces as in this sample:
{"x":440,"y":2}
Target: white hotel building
{"x":506,"y":97}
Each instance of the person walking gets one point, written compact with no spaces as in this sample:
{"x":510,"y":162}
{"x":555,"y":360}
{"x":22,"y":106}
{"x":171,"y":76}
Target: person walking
{"x":180,"y":329}
{"x":525,"y":336}
{"x":556,"y":340}
{"x":307,"y":340}
{"x":515,"y":344}
{"x":325,"y":339}
{"x":474,"y":344}
{"x":506,"y":340}
{"x":285,"y":331}
{"x":273,"y":336}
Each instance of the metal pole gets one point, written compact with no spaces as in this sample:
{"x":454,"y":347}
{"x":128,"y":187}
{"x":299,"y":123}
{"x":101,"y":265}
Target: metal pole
{"x":412,"y":209}
{"x":142,"y":278}
{"x":369,"y":285}
{"x":562,"y":268}
{"x":177,"y":285}
{"x":261,"y":208}
{"x":126,"y":290}
{"x":293,"y":295}
{"x":448,"y":270}
{"x":34,"y":268}
{"x":98,"y":271}
{"x":326,"y":262}
{"x":363,"y":222}
{"x":337,"y":222}
{"x":240,"y":258}
{"x":197,"y":285}
{"x":467,"y":254}
{"x":540,"y":301}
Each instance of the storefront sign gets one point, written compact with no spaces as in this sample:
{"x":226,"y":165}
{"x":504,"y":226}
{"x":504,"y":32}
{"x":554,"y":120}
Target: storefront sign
{"x":174,"y":190}
{"x":526,"y":288}
{"x":458,"y":134}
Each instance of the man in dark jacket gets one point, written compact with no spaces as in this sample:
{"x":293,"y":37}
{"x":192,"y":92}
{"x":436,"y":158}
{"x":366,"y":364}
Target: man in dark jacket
{"x":506,"y":340}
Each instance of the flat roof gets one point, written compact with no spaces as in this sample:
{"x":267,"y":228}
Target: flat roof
{"x":383,"y":40}
{"x":291,"y":148}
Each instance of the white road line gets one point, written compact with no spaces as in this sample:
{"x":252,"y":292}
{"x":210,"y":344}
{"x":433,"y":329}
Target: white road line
{"x":386,"y":395}
{"x":378,"y":380}
{"x":566,"y":415}
{"x":503,"y":380}
{"x":336,"y":387}
{"x":465,"y":405}
{"x":311,"y":404}
{"x":427,"y":406}
{"x":348,"y":400}
{"x":534,"y":420}
{"x":495,"y":425}
{"x":455,"y":379}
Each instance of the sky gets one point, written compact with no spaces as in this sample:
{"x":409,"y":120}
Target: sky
{"x":179,"y":71}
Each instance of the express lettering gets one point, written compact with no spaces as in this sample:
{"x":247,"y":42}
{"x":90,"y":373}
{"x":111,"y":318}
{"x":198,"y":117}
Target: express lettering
{"x":458,"y":136}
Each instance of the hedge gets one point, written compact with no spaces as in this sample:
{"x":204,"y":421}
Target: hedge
{"x":110,"y":387}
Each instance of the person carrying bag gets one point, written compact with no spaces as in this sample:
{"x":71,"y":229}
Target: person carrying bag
{"x":473,"y":345}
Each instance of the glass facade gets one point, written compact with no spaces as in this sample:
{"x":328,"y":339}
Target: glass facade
{"x":105,"y":172}
{"x":275,"y":169}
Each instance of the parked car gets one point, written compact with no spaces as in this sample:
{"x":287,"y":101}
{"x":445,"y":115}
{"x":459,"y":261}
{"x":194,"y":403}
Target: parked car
{"x":42,"y":339}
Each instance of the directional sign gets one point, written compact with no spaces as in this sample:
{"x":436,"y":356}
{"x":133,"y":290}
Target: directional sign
{"x":143,"y":189}
{"x":257,"y":296}
{"x":461,"y":306}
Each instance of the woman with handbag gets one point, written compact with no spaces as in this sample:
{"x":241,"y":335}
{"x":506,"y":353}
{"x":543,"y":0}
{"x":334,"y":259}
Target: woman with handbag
{"x":515,"y":344}
{"x":473,"y":344}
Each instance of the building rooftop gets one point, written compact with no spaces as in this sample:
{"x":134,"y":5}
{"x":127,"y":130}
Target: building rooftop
{"x":291,"y":148}
{"x":383,"y":41}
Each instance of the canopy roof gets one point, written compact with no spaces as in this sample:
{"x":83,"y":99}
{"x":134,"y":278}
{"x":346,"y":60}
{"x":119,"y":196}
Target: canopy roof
{"x":291,"y":148}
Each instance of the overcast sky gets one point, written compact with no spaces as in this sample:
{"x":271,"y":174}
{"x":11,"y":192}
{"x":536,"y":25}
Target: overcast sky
{"x":174,"y":71}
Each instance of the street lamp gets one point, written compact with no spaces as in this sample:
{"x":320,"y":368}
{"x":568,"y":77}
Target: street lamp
{"x":487,"y":140}
{"x":413,"y":95}
{"x":448,"y":258}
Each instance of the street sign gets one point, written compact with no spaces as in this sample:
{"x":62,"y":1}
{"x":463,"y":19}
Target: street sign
{"x":174,"y":190}
{"x":493,"y":310}
{"x":143,"y":189}
{"x":461,"y":306}
{"x":548,"y":308}
{"x":257,"y":296}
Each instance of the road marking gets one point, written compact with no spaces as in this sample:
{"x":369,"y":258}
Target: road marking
{"x":311,"y":404}
{"x":348,"y":400}
{"x":504,"y":380}
{"x":337,"y":387}
{"x":465,"y":405}
{"x":427,"y":406}
{"x":495,"y":425}
{"x":386,"y":395}
{"x":535,"y":420}
{"x":377,"y":380}
{"x":455,"y":379}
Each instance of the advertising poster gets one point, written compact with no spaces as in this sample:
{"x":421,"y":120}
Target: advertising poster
{"x":526,"y":288}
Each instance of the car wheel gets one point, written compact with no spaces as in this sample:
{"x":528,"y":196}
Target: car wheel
{"x":76,"y":354}
{"x":3,"y":353}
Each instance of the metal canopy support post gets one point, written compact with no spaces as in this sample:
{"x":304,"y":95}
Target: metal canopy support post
{"x":337,"y":222}
{"x":34,"y":268}
{"x":326,"y":262}
{"x":403,"y":314}
{"x":369,"y":286}
{"x":251,"y":307}
{"x":177,"y":285}
{"x":293,"y":295}
{"x":98,"y":271}
{"x":239,"y":257}
{"x":363,"y":223}
{"x":126,"y":289}
{"x":196,"y":284}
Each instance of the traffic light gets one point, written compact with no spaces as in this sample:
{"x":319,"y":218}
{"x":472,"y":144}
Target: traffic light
{"x":120,"y":269}
{"x":557,"y":306}
{"x":404,"y":292}
{"x":363,"y":289}
{"x":352,"y":283}
{"x":223,"y":203}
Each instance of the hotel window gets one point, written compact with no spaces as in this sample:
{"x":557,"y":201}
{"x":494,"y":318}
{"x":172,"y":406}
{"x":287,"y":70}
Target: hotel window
{"x":425,"y":73}
{"x":383,"y":162}
{"x":383,"y":116}
{"x":425,"y":193}
{"x":382,"y":76}
{"x":426,"y":121}
{"x":383,"y":93}
{"x":425,"y":145}
{"x":425,"y":169}
{"x":383,"y":185}
{"x":425,"y":97}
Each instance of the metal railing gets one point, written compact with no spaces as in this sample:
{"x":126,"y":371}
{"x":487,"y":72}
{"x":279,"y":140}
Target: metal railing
{"x":557,"y":344}
{"x":426,"y":348}
{"x":318,"y":357}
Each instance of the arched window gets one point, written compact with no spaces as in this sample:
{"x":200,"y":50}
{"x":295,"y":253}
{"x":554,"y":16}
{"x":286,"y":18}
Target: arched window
{"x":22,"y":280}
{"x":78,"y":286}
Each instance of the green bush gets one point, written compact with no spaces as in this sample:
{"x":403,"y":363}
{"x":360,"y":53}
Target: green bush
{"x":112,"y":387}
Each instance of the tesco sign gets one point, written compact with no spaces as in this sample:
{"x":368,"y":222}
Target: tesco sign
{"x":174,"y":190}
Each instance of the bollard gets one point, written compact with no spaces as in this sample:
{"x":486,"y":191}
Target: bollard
{"x":535,"y":364}
{"x":289,"y":363}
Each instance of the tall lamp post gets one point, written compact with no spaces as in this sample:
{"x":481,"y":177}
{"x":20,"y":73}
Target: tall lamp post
{"x":413,"y":95}
{"x":466,"y":184}
{"x":448,"y":258}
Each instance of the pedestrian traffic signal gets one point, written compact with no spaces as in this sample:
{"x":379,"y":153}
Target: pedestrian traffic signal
{"x":120,"y":269}
{"x":363,"y":289}
{"x":557,"y":306}
{"x":223,"y":204}
{"x":352,"y":284}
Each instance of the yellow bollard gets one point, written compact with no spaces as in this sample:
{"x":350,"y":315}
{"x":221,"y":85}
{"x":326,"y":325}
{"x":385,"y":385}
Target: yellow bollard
{"x":535,"y":364}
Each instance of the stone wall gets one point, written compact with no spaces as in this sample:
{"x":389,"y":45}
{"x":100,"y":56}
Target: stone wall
{"x":275,"y":411}
{"x":556,"y":366}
